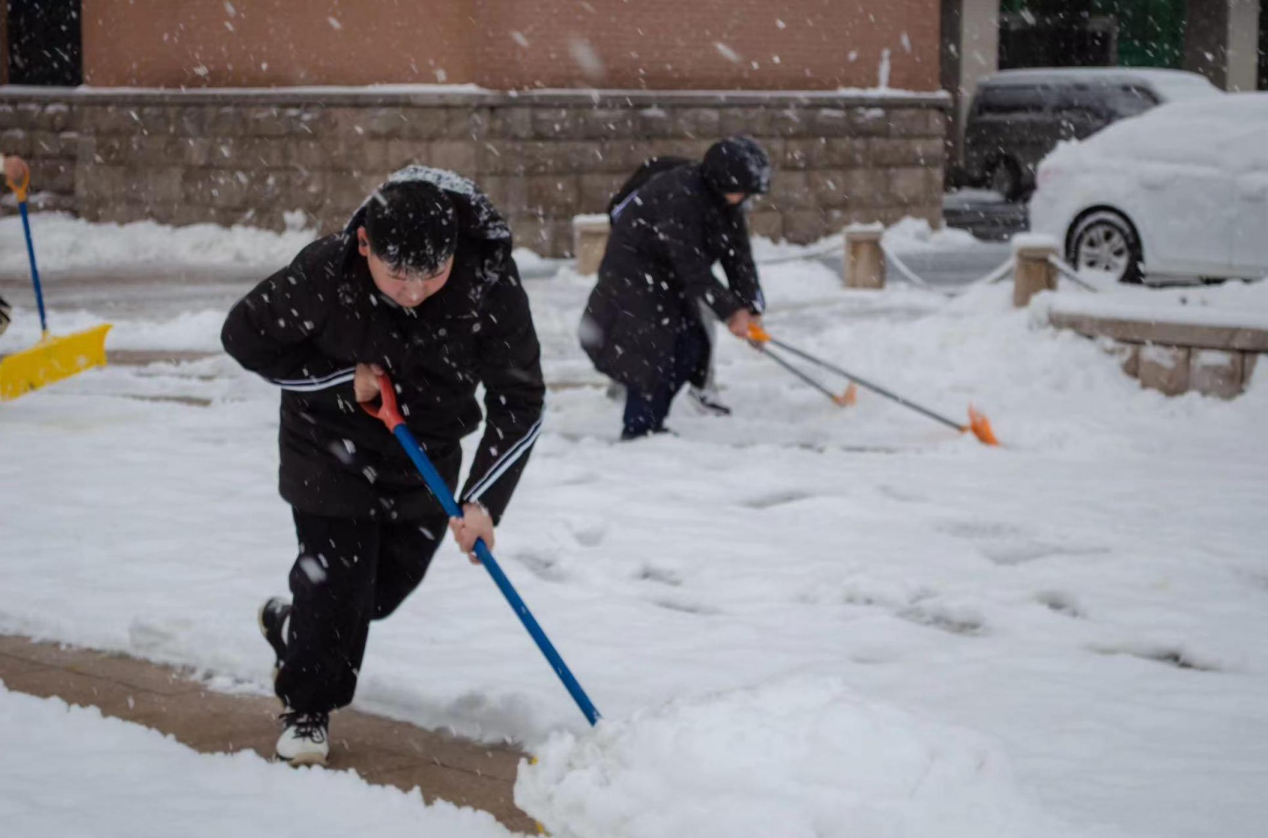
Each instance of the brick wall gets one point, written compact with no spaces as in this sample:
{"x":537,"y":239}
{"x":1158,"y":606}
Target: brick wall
{"x":708,"y":44}
{"x":257,"y":43}
{"x":543,"y":157}
{"x":513,"y":44}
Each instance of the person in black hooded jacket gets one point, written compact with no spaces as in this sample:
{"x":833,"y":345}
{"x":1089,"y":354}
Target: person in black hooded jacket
{"x":420,"y":285}
{"x":642,"y":324}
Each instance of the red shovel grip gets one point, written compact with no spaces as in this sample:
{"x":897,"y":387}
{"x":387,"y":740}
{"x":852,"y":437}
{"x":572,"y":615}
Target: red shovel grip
{"x":386,"y":412}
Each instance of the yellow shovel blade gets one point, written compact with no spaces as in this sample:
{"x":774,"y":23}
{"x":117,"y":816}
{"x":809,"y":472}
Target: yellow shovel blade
{"x":52,"y":359}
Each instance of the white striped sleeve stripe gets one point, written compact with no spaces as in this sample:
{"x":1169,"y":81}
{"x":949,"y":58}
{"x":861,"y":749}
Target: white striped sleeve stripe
{"x":509,"y":459}
{"x":316,"y":383}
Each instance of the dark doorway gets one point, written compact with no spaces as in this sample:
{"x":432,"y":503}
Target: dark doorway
{"x":1056,"y":33}
{"x":1263,"y":48}
{"x":45,"y":42}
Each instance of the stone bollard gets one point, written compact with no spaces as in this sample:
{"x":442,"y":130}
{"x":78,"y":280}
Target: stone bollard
{"x":589,"y":240}
{"x":1032,"y":272}
{"x":864,"y":259}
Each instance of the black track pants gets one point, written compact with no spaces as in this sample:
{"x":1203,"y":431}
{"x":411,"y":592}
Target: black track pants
{"x":348,"y":573}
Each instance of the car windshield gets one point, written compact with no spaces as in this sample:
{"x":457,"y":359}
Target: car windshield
{"x":1129,"y":100}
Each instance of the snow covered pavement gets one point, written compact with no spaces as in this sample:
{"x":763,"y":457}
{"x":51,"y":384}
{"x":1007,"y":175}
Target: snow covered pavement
{"x":801,"y":606}
{"x":68,"y":771}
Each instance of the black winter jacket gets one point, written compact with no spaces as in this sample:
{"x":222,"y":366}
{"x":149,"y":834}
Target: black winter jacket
{"x":306,"y":327}
{"x":658,"y":270}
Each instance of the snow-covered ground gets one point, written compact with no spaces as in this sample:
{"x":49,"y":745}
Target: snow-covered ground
{"x":65,"y":244}
{"x":836,"y":621}
{"x":67,"y":771}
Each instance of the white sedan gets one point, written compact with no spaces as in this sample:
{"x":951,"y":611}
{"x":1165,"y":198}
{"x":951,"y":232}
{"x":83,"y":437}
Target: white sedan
{"x":1180,"y":191}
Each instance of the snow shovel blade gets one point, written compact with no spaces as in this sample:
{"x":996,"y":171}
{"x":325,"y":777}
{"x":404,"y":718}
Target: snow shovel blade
{"x":981,"y":428}
{"x":849,"y":398}
{"x":51,"y":360}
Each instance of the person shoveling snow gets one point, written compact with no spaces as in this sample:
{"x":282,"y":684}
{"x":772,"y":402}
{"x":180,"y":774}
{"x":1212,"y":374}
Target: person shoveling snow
{"x":420,"y":284}
{"x":644,"y":325}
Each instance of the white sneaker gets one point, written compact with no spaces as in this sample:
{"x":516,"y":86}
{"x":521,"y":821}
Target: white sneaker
{"x":304,"y":739}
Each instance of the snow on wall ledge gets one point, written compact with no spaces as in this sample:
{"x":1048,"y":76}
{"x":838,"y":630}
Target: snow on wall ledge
{"x":1175,"y":341}
{"x":249,"y":156}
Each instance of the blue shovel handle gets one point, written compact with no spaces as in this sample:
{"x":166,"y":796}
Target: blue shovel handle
{"x":387,"y":413}
{"x":20,"y":189}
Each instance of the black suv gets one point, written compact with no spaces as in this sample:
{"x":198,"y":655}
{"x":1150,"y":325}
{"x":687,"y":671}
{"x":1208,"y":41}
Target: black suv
{"x":1018,"y":116}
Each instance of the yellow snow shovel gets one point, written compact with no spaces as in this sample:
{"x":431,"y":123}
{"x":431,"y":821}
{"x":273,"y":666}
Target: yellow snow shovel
{"x":53,"y":358}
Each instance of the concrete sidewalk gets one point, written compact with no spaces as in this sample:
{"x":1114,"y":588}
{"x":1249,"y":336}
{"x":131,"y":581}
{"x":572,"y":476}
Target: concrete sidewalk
{"x":380,"y":750}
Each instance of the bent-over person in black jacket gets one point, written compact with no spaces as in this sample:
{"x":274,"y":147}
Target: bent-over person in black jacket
{"x":420,"y":285}
{"x":643,"y":322}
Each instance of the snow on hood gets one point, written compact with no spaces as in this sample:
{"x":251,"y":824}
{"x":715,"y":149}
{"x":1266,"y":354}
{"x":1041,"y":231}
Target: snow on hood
{"x":476,"y":213}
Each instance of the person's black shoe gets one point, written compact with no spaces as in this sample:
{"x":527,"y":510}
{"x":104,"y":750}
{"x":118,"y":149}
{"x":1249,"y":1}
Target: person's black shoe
{"x":626,"y":436}
{"x":274,"y":617}
{"x":706,"y":401}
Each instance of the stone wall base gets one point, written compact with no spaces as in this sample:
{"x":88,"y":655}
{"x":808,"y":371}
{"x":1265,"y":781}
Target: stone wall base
{"x":253,"y":156}
{"x":1174,"y":370}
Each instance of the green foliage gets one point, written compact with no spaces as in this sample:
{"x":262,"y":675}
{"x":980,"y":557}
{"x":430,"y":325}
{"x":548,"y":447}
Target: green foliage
{"x":1150,"y":32}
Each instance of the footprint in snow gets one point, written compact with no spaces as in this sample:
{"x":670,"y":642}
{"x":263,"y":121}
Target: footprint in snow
{"x":1062,"y":603}
{"x":901,"y":495}
{"x":684,"y":606}
{"x":546,"y":568}
{"x":775,"y":499}
{"x":660,"y":575}
{"x":1008,"y":545}
{"x":1175,"y":656}
{"x":962,"y":621}
{"x":589,"y":533}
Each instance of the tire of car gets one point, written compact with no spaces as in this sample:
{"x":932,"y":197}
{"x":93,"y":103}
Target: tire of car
{"x":1004,"y":177}
{"x":1105,"y":240}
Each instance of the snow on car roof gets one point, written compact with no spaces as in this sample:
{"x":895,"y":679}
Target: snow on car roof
{"x":1236,"y":108}
{"x":1223,"y":132}
{"x":1159,"y":79}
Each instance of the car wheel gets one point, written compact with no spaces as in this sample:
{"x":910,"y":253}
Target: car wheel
{"x":1005,"y":178}
{"x":1106,"y":241}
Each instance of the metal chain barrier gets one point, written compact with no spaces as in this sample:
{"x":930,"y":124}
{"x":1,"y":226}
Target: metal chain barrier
{"x":1071,"y":274}
{"x":1000,"y":273}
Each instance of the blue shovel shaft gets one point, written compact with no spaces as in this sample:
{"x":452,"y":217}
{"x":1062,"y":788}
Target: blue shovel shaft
{"x":35,"y":271}
{"x":438,"y":488}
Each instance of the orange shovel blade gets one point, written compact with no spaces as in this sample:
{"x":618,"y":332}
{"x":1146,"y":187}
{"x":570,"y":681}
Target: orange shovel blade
{"x":849,"y":397}
{"x":981,"y":428}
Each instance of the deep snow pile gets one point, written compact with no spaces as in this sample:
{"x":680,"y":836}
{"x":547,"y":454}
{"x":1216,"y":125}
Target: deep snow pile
{"x":800,"y":758}
{"x":916,"y":234}
{"x":67,"y":771}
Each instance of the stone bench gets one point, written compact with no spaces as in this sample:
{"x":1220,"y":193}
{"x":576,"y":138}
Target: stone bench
{"x":1210,"y":351}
